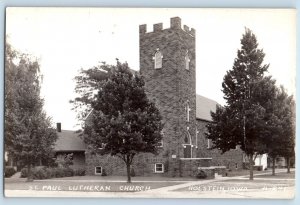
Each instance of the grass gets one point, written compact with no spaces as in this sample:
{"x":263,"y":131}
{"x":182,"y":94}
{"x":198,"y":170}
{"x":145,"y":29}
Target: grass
{"x":282,"y":175}
{"x":243,"y":172}
{"x":124,"y":178}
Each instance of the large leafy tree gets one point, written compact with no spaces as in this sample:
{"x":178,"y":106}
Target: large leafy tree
{"x":29,"y":137}
{"x":123,"y":122}
{"x":281,"y":128}
{"x":249,"y":96}
{"x":87,"y":85}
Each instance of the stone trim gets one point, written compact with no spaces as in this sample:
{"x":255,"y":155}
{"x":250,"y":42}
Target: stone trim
{"x":194,"y":158}
{"x":206,"y":168}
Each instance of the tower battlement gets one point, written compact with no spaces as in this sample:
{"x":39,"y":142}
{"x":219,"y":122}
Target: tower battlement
{"x":175,"y":23}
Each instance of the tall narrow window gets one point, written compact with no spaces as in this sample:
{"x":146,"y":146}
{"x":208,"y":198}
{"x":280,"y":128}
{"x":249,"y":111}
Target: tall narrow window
{"x":161,"y":143}
{"x":187,"y":60}
{"x":208,"y":144}
{"x":197,"y":132}
{"x":157,"y":59}
{"x":187,"y":109}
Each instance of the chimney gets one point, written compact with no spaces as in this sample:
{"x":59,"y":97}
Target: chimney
{"x":58,"y":127}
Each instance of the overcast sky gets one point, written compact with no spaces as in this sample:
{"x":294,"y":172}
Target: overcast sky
{"x":67,"y":39}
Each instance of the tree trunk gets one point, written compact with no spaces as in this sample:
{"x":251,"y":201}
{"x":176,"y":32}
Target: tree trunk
{"x":128,"y":172}
{"x":251,"y":163}
{"x":29,"y":175}
{"x":273,"y":166}
{"x":288,"y":161}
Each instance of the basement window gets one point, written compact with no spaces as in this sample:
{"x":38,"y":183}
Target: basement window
{"x":159,"y":168}
{"x":98,"y":170}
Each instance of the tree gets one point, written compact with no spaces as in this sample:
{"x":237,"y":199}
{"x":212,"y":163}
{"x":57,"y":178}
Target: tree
{"x":28,"y":133}
{"x":289,"y":132}
{"x":248,"y":93}
{"x":282,"y":128}
{"x":123,"y":122}
{"x":87,"y":85}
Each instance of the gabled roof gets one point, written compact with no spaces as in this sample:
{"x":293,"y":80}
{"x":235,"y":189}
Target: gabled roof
{"x":69,"y":141}
{"x":203,"y":107}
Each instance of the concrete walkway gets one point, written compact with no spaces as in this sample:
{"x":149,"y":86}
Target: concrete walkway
{"x":179,"y":186}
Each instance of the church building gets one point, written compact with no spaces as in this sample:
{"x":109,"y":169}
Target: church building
{"x":168,"y":65}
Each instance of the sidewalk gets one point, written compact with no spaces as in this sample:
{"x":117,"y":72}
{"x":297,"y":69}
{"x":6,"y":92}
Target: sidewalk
{"x":171,"y":188}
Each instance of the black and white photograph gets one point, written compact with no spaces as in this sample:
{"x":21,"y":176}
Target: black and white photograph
{"x":149,"y":102}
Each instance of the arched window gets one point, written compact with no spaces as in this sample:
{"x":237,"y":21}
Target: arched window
{"x":187,"y":138}
{"x":158,"y":59}
{"x":187,"y":60}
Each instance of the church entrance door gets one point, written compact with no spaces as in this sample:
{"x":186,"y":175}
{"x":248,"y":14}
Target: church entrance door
{"x":187,"y":151}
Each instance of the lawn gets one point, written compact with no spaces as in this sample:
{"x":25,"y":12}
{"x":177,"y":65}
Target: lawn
{"x":124,"y":178}
{"x":243,"y":172}
{"x":282,"y":175}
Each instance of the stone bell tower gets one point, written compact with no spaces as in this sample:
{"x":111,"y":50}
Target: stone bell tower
{"x":167,"y":63}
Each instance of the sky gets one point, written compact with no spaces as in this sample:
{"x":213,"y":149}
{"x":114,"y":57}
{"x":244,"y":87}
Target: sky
{"x":67,"y":39}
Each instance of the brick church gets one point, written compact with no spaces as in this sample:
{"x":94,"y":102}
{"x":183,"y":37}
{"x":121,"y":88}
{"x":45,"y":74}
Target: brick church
{"x":168,"y":65}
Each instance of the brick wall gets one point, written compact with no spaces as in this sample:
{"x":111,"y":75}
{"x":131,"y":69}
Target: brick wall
{"x":190,"y":166}
{"x":171,"y":86}
{"x":230,"y":159}
{"x":78,"y":160}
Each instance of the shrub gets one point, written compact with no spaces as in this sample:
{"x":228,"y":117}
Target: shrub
{"x":68,"y":172}
{"x":201,"y":174}
{"x":246,"y":165}
{"x":24,"y":173}
{"x":258,"y":167}
{"x":41,"y":173}
{"x":9,"y":171}
{"x":58,"y":172}
{"x":47,"y":173}
{"x":79,"y":172}
{"x":64,"y":160}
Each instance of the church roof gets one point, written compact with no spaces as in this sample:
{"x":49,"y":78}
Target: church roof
{"x":203,"y":107}
{"x":69,"y":141}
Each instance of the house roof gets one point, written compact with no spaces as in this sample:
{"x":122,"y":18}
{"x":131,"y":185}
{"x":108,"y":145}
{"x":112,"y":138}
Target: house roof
{"x":69,"y":141}
{"x":203,"y":107}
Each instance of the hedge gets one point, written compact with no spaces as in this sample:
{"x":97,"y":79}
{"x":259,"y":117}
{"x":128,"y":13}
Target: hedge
{"x":201,"y":174}
{"x":47,"y":173}
{"x":9,"y":171}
